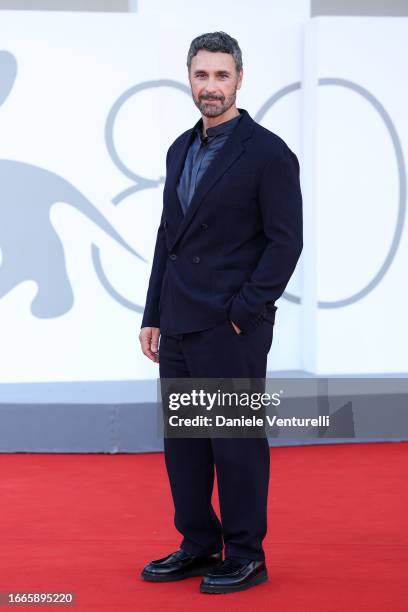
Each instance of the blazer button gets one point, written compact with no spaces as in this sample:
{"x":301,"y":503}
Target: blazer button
{"x":165,"y":224}
{"x":196,"y":259}
{"x":173,"y":256}
{"x":204,"y":226}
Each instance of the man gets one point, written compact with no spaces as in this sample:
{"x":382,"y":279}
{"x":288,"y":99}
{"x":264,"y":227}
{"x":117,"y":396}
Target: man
{"x":228,"y":242}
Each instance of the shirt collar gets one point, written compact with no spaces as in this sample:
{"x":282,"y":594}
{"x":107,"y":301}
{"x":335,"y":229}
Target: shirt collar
{"x":222,"y":128}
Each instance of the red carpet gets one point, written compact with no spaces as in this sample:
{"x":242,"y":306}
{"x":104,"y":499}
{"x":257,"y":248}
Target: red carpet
{"x":337,"y":541}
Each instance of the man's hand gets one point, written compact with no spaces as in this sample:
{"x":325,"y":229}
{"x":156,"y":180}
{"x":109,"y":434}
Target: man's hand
{"x":237,"y":329}
{"x":149,"y":342}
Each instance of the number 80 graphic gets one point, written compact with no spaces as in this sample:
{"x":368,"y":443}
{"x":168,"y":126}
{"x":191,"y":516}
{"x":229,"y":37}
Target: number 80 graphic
{"x":141,"y":182}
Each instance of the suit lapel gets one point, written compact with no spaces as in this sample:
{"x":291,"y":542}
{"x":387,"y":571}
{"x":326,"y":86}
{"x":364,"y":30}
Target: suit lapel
{"x":175,"y":170}
{"x":226,"y":156}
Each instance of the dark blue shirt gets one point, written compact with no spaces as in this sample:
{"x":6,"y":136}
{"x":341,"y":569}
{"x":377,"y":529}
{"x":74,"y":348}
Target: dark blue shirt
{"x":200,"y":154}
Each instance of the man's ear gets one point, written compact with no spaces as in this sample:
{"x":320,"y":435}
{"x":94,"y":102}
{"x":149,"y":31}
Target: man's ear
{"x":240,"y":76}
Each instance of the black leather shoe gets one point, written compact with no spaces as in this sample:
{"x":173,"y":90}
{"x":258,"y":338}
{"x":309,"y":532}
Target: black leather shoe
{"x":234,"y":575}
{"x":179,"y":565}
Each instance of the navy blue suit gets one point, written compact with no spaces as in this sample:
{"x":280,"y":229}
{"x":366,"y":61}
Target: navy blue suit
{"x":229,"y":258}
{"x":232,"y":254}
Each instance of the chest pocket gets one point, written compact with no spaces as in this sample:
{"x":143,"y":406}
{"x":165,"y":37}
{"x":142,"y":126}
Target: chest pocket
{"x":237,"y":190}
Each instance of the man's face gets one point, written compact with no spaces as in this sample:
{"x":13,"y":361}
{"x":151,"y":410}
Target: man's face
{"x":214,"y":82}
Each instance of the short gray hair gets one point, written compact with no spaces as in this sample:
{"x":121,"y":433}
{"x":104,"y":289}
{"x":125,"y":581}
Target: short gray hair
{"x":215,"y":41}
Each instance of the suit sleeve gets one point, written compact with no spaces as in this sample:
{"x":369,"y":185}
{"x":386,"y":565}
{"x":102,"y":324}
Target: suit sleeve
{"x":151,"y":314}
{"x":280,"y":201}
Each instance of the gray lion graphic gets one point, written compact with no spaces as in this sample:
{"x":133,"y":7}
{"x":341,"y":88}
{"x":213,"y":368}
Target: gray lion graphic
{"x":30,"y":247}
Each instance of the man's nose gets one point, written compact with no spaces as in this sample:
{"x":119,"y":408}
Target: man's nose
{"x":211,"y":88}
{"x":210,"y":92}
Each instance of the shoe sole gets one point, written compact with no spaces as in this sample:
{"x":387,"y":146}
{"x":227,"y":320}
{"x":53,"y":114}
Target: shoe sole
{"x":220,"y":590}
{"x":150,"y":577}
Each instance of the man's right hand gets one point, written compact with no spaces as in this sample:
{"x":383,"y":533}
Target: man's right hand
{"x":149,"y":342}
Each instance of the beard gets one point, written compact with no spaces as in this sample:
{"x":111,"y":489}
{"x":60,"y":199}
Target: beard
{"x":217,"y":108}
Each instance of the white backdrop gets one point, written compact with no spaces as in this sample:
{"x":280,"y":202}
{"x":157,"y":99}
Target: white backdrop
{"x":72,"y":70}
{"x":361,"y":151}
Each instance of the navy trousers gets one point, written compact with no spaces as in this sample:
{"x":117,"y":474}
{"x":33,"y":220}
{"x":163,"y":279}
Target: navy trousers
{"x":242,"y":464}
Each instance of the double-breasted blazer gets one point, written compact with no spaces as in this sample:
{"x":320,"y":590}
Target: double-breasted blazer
{"x":233,"y":252}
